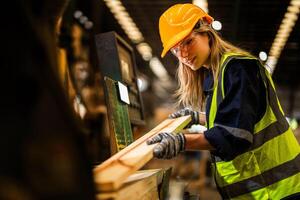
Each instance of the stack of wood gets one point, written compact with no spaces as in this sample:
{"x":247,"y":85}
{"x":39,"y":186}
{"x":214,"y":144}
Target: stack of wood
{"x":144,"y":184}
{"x":111,"y":177}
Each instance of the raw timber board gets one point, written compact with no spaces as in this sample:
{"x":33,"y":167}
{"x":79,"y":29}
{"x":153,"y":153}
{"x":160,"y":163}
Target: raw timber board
{"x":120,"y":127}
{"x":140,"y":185}
{"x":111,"y":174}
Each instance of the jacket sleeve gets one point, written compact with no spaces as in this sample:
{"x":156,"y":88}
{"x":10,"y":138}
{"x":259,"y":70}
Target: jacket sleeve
{"x":242,"y":107}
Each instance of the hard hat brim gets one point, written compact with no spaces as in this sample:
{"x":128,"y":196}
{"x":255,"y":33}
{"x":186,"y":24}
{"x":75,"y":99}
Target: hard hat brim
{"x":175,"y":40}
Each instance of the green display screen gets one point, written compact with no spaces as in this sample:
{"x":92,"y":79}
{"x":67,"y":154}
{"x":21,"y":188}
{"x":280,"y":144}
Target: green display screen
{"x":118,"y":115}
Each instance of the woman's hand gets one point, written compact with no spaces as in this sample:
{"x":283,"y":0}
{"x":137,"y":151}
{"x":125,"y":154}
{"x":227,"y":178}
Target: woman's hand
{"x":184,"y":112}
{"x":169,"y":145}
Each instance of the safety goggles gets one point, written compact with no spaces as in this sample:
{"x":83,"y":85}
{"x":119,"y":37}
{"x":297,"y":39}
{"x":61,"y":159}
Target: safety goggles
{"x":184,"y":45}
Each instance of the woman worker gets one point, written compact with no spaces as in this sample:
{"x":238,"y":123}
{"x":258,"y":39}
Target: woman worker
{"x":254,"y":152}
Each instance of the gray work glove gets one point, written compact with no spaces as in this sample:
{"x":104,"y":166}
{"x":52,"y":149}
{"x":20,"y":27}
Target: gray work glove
{"x":169,"y":145}
{"x":185,"y":112}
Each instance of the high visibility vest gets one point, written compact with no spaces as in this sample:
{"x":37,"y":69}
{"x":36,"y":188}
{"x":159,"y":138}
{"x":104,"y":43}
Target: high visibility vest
{"x":270,"y":169}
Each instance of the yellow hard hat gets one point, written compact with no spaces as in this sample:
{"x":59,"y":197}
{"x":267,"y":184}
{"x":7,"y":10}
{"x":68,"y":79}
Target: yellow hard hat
{"x":177,"y":22}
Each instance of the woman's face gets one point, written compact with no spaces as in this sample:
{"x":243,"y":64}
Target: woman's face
{"x":193,"y":51}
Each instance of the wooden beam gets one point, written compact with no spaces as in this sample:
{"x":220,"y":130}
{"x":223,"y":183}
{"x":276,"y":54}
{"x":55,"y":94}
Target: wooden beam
{"x":140,"y":185}
{"x":110,"y":175}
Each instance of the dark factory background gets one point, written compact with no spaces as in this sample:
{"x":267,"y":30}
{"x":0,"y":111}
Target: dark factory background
{"x":54,"y":113}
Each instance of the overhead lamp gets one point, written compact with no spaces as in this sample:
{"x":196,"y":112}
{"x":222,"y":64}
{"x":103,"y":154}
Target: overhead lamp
{"x":271,"y":61}
{"x":145,"y":50}
{"x":83,"y":19}
{"x":125,"y":21}
{"x":158,"y":69}
{"x":88,"y":25}
{"x":143,"y":83}
{"x":202,"y":4}
{"x":295,"y":3}
{"x":77,"y":14}
{"x":136,"y":37}
{"x":291,"y":15}
{"x":283,"y":33}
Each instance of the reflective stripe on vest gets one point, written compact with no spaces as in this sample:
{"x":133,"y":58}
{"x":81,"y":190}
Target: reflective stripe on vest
{"x":273,"y":159}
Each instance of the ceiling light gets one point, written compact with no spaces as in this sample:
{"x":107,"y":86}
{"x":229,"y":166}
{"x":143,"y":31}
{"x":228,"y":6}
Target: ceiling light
{"x":283,"y":33}
{"x":202,"y":4}
{"x":145,"y":50}
{"x":271,"y":61}
{"x":143,"y":84}
{"x":77,"y":14}
{"x":88,"y":25}
{"x":83,"y":19}
{"x":293,"y":8}
{"x":125,"y":21}
{"x":158,"y":68}
{"x":136,"y":37}
{"x":295,"y":3}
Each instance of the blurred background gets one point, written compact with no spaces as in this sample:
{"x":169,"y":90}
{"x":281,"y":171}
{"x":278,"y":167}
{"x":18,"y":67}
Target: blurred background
{"x":258,"y":26}
{"x":268,"y":29}
{"x":32,"y":104}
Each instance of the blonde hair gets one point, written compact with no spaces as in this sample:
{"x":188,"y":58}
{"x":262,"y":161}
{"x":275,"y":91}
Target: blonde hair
{"x":190,"y":91}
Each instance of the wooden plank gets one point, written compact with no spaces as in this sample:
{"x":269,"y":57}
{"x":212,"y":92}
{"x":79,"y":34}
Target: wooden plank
{"x":140,"y":185}
{"x":164,"y":186}
{"x":110,"y":175}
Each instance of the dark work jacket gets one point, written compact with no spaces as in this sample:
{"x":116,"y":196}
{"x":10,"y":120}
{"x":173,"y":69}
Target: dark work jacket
{"x":243,"y":106}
